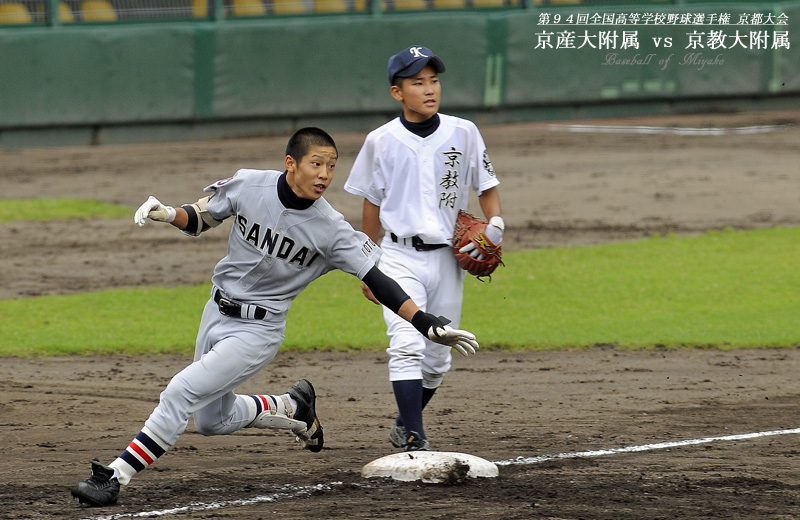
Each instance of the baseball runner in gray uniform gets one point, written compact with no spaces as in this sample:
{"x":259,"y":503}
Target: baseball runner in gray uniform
{"x":284,"y":236}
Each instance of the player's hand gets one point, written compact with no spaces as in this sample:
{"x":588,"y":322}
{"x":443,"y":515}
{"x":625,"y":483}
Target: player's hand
{"x":494,"y":232}
{"x":368,"y":294}
{"x":473,"y":251}
{"x":154,"y":210}
{"x":461,"y":340}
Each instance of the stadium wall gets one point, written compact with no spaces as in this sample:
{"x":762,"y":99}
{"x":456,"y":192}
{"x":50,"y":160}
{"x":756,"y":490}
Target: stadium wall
{"x":115,"y":83}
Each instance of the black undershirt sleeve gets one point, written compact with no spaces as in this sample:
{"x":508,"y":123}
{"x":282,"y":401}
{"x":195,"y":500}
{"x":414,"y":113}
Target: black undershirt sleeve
{"x":386,"y":290}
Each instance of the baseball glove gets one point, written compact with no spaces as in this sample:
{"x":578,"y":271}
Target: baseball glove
{"x":470,"y":229}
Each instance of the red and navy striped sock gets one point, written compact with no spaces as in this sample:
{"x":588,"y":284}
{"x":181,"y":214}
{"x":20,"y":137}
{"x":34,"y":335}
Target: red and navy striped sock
{"x":140,"y":454}
{"x":259,"y":404}
{"x":264,"y":402}
{"x":276,"y":404}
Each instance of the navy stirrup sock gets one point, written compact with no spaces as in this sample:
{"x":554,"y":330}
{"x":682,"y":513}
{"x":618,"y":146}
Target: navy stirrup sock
{"x":427,"y":395}
{"x":408,"y":395}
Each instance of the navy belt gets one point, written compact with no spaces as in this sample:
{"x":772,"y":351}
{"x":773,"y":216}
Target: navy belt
{"x":416,"y":243}
{"x":238,"y":310}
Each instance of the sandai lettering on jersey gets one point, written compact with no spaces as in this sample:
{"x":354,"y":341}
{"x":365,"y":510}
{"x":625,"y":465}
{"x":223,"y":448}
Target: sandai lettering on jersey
{"x":274,"y":244}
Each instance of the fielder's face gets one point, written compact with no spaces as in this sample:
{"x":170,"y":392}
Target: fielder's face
{"x":419,"y":94}
{"x":310,"y":177}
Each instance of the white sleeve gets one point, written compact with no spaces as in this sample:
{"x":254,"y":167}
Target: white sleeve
{"x":364,"y":176}
{"x":485,"y":177}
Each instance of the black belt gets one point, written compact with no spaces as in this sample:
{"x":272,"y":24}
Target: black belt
{"x":417,"y":243}
{"x":238,"y":310}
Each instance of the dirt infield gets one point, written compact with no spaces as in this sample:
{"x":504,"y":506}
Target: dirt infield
{"x":545,"y":417}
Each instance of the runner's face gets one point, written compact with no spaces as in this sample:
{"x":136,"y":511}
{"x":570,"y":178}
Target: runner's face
{"x":310,"y":177}
{"x":419,"y":94}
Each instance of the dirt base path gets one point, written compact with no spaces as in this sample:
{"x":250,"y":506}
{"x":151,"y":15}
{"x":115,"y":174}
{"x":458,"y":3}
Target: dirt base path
{"x":498,"y":406}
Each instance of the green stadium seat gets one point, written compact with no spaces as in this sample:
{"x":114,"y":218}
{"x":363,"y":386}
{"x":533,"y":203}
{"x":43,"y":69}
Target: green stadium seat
{"x":98,"y":11}
{"x":14,"y":13}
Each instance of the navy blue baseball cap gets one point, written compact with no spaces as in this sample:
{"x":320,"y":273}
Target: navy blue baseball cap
{"x":412,"y":60}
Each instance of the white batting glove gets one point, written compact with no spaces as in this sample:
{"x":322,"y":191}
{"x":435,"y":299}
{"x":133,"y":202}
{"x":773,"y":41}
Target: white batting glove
{"x":461,"y":340}
{"x":154,"y":210}
{"x":494,"y":232}
{"x":437,"y":330}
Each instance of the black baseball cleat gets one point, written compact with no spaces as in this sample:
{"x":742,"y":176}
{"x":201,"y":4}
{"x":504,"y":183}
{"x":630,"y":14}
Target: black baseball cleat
{"x":101,"y":489}
{"x":415,"y":443}
{"x":303,"y":393}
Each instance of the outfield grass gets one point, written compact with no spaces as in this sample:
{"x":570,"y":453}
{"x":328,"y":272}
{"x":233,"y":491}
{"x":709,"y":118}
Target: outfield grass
{"x":46,"y":209}
{"x":724,"y":289}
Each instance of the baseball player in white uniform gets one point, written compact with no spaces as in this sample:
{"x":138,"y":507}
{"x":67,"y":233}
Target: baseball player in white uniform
{"x":284,"y":236}
{"x":415,"y":173}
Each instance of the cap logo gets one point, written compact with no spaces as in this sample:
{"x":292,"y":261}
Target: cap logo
{"x":416,"y":52}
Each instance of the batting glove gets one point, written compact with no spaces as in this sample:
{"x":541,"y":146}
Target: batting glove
{"x":461,"y":340}
{"x":437,"y":330}
{"x":494,"y":232}
{"x":154,"y":210}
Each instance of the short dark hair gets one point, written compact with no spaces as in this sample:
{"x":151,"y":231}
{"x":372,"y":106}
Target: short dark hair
{"x":302,"y":140}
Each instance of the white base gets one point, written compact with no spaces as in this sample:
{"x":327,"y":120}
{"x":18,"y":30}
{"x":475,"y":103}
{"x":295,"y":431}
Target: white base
{"x":430,"y":467}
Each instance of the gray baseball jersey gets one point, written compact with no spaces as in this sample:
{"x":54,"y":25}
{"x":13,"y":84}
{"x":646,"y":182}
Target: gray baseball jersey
{"x":275,"y":252}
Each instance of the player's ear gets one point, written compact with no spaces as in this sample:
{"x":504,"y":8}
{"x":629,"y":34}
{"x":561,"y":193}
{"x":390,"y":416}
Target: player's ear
{"x":290,"y":164}
{"x":396,"y":93}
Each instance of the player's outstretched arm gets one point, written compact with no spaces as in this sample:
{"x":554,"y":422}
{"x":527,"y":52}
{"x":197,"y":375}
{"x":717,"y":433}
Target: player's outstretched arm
{"x":153,"y":209}
{"x":192,"y":219}
{"x":435,"y":328}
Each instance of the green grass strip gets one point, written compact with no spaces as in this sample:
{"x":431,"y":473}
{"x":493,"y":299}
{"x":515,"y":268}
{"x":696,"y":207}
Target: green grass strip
{"x":48,"y":209}
{"x":146,"y":321}
{"x":724,"y":290}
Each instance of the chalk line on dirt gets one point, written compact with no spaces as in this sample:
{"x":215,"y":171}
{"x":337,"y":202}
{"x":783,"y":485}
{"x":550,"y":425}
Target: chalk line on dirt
{"x":285,"y":492}
{"x":643,"y":447}
{"x":671,"y":130}
{"x":289,"y":492}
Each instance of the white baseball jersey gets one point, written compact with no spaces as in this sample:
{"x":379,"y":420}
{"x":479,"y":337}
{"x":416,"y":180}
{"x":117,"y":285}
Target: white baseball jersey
{"x":275,"y":252}
{"x":419,"y":183}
